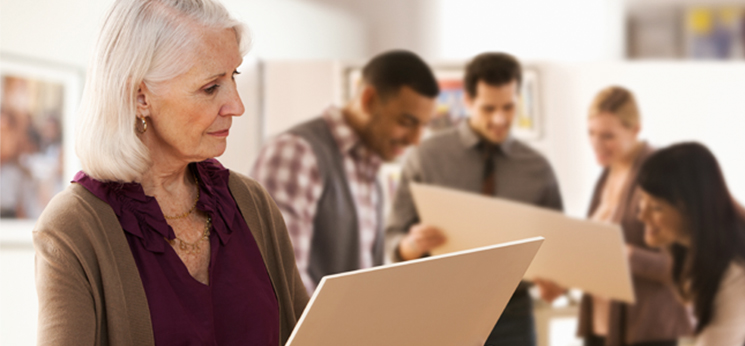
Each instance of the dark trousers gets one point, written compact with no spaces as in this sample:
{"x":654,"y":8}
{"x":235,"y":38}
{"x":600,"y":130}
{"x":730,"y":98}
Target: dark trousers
{"x":516,"y":326}
{"x":600,"y":341}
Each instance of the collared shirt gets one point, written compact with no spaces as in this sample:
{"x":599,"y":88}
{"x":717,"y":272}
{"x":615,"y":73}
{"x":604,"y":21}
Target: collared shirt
{"x":288,"y":168}
{"x":453,"y":159}
{"x":238,"y":307}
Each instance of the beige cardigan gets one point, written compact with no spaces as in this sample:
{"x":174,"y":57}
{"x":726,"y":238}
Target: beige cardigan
{"x":89,"y":286}
{"x":657,"y":314}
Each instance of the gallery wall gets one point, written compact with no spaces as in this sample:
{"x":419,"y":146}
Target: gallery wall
{"x":567,"y":30}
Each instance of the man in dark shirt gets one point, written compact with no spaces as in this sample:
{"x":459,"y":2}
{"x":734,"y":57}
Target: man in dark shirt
{"x":478,"y":155}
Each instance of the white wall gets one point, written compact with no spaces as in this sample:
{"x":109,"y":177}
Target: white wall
{"x":679,"y":102}
{"x":395,"y":24}
{"x":295,"y":91}
{"x":55,"y":31}
{"x":18,"y":304}
{"x":568,"y":30}
{"x":65,"y":31}
{"x":297,"y":29}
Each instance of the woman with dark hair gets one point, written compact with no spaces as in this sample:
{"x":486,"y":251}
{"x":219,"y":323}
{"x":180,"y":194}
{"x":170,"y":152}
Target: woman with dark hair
{"x":687,"y":207}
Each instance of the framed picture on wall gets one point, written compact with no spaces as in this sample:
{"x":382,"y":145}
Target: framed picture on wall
{"x":37,"y":160}
{"x":527,"y":124}
{"x":450,"y":108}
{"x":352,"y":79}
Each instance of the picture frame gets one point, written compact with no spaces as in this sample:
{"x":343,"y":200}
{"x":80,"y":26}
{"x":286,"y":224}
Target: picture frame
{"x":352,"y":77}
{"x":528,"y":122}
{"x":38,"y":101}
{"x":450,"y":107}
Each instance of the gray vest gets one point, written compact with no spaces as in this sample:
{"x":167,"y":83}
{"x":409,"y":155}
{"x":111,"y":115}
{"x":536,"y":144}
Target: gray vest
{"x":335,"y":243}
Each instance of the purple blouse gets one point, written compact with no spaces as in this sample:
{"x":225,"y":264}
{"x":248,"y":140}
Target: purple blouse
{"x":238,"y":307}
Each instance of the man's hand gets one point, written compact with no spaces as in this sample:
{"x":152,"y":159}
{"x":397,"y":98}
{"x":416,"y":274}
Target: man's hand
{"x":628,"y":250}
{"x":419,"y":241}
{"x":548,"y":289}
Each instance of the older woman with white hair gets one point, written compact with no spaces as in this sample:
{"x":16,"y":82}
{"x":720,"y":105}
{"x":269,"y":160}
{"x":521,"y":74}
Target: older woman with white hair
{"x":155,"y":242}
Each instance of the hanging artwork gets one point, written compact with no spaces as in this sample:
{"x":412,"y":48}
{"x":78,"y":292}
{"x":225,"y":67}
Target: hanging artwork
{"x":527,"y":124}
{"x":37,"y":102}
{"x":451,"y":108}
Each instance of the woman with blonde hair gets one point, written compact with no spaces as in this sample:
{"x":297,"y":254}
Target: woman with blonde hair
{"x":657,"y":318}
{"x":155,"y":242}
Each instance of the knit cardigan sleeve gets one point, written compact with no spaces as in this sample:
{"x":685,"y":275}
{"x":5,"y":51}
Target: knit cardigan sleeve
{"x":86,"y":280}
{"x":67,"y":310}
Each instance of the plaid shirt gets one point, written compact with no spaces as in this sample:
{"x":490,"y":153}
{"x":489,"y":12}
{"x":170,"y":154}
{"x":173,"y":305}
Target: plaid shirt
{"x":288,"y":169}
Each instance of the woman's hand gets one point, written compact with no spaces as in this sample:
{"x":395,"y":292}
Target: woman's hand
{"x":549,"y":290}
{"x":628,"y":250}
{"x":419,"y":241}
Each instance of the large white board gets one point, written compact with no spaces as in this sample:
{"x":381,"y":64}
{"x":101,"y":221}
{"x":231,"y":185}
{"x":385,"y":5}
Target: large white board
{"x":577,"y":253}
{"x":454,"y":299}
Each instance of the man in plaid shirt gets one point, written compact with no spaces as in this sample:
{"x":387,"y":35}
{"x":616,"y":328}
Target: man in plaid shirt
{"x":322,"y":174}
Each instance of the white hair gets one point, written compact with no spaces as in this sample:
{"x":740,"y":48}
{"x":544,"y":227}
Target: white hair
{"x":146,"y":41}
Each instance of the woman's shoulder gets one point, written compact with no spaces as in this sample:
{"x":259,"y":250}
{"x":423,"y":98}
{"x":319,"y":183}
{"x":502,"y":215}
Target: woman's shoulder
{"x":244,"y":188}
{"x":731,"y":290}
{"x":72,"y":213}
{"x":70,"y":203}
{"x":725,"y":327}
{"x":245,"y":182}
{"x":734,"y":276}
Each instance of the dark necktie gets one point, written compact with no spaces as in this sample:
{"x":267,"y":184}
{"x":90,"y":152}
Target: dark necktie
{"x":489,"y":151}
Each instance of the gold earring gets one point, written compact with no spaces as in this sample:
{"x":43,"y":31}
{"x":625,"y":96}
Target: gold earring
{"x":141,"y":126}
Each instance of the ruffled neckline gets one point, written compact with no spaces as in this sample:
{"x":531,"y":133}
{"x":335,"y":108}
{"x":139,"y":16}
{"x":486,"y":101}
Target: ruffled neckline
{"x":141,"y":216}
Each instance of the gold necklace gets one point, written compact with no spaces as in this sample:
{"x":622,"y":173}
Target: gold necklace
{"x":193,"y":206}
{"x":192,"y":248}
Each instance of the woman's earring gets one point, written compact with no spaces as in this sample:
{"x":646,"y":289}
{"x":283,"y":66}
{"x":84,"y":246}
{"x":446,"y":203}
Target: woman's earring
{"x":141,"y":125}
